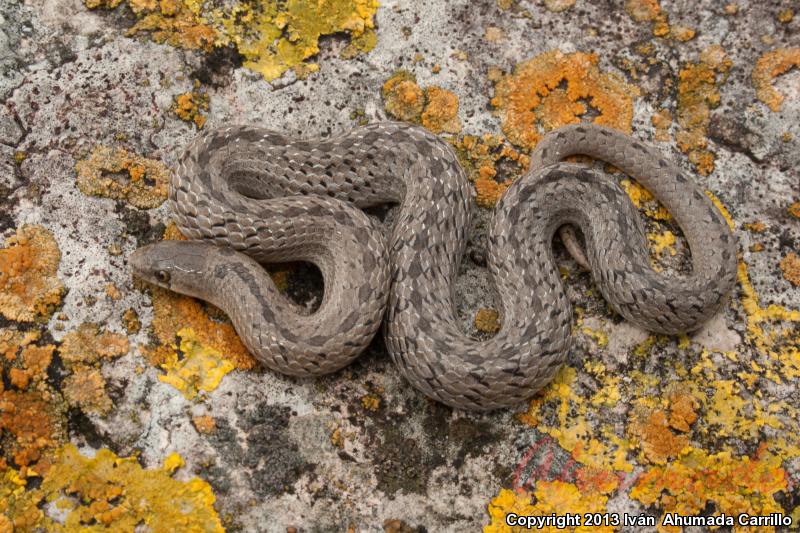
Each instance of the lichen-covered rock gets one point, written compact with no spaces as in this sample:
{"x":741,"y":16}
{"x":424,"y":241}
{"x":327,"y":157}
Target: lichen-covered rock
{"x":99,"y":97}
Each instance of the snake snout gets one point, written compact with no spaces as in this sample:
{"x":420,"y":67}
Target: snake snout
{"x":141,"y":263}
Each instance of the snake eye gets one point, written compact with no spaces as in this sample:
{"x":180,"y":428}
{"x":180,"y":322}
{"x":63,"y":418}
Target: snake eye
{"x":162,"y":276}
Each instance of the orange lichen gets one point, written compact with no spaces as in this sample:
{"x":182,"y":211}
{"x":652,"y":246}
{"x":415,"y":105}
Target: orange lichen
{"x":173,"y":312}
{"x":81,"y":351}
{"x":487,"y":320}
{"x":190,"y":106}
{"x":556,"y":6}
{"x":435,"y":108}
{"x":118,"y":174}
{"x":204,"y":424}
{"x":682,"y":411}
{"x":481,"y":157}
{"x":643,"y":10}
{"x":786,"y":16}
{"x":113,"y":292}
{"x":403,"y":98}
{"x":130,"y":318}
{"x":657,"y":442}
{"x":650,"y":11}
{"x":730,"y":484}
{"x":29,"y":288}
{"x":441,"y":111}
{"x":86,"y":389}
{"x":697,"y":95}
{"x":531,"y":100}
{"x":89,"y":345}
{"x":32,"y":424}
{"x":494,"y":34}
{"x":662,"y":120}
{"x":755,"y":227}
{"x":596,"y":480}
{"x":790,"y":266}
{"x":175,"y":22}
{"x":794,"y":210}
{"x":768,"y":67}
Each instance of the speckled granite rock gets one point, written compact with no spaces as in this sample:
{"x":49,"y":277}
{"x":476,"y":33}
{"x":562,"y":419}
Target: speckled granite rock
{"x":628,"y":425}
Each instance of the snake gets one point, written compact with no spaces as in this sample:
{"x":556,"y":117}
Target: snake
{"x":245,"y":196}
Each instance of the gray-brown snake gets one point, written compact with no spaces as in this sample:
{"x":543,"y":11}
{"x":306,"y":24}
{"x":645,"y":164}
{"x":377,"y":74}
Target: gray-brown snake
{"x":246,"y":195}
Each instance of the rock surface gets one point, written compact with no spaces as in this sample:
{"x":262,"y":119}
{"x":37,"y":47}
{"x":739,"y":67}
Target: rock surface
{"x":634,"y":423}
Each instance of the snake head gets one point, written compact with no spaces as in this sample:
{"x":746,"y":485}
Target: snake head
{"x":179,"y":266}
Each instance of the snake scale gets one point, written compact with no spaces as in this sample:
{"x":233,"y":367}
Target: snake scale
{"x":245,"y":195}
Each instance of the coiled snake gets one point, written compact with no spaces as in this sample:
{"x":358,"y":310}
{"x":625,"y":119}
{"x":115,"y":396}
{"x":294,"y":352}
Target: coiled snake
{"x":263,"y":197}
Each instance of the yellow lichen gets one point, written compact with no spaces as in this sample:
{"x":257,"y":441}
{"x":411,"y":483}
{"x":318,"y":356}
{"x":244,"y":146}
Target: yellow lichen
{"x":573,"y":431}
{"x":697,"y":95}
{"x":531,"y":101}
{"x":645,"y":201}
{"x":487,"y":320}
{"x":110,"y":493}
{"x":274,"y":38}
{"x":435,"y":108}
{"x":29,"y":288}
{"x":768,"y":67}
{"x":664,"y":241}
{"x":371,"y":402}
{"x":194,"y":368}
{"x":786,"y":16}
{"x":552,"y":497}
{"x":118,"y":174}
{"x":759,"y":316}
{"x":790,"y":266}
{"x":190,"y":106}
{"x":599,"y":336}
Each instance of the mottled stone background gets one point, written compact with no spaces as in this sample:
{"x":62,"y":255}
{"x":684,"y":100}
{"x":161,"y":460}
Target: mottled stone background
{"x":124,"y":406}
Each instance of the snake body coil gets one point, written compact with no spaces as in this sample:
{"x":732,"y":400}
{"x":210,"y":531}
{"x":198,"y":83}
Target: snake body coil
{"x":265,"y":197}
